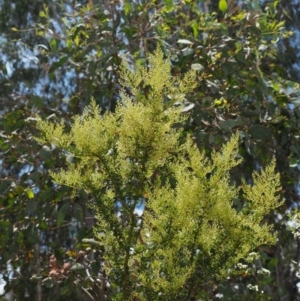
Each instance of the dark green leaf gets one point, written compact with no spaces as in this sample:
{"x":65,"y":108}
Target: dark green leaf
{"x":229,"y":124}
{"x":78,"y":213}
{"x":259,"y":132}
{"x":62,"y":213}
{"x":37,"y":101}
{"x":58,"y":64}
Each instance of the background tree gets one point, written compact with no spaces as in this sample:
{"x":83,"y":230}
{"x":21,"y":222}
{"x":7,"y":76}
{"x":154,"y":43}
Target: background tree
{"x":242,"y":86}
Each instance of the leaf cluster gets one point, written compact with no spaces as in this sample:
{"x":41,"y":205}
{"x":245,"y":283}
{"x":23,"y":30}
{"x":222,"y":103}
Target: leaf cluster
{"x":189,"y":232}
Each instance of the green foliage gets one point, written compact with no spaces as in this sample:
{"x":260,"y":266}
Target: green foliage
{"x":190,"y":232}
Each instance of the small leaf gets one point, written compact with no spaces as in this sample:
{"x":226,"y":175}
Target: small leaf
{"x":69,"y":44}
{"x":229,"y":123}
{"x":37,"y":101}
{"x":169,"y":3}
{"x":62,"y":213}
{"x":48,"y":282}
{"x":76,"y":40}
{"x":295,"y":100}
{"x":53,"y":45}
{"x":77,"y":266}
{"x":127,"y":8}
{"x":89,"y":242}
{"x":183,"y":41}
{"x":259,"y":132}
{"x":78,"y":213}
{"x":42,"y":225}
{"x":14,"y":29}
{"x":197,"y":67}
{"x":43,"y":46}
{"x":42,"y":14}
{"x":36,"y":277}
{"x":187,"y":51}
{"x":294,"y":162}
{"x":58,"y":64}
{"x":30,"y":193}
{"x":223,"y":6}
{"x":188,"y":108}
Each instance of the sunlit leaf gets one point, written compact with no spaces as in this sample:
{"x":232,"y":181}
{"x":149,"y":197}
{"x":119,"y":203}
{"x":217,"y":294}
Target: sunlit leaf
{"x":223,"y":6}
{"x":197,"y":67}
{"x":42,"y":14}
{"x":183,"y":41}
{"x":76,"y":40}
{"x":77,"y":266}
{"x":30,"y":193}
